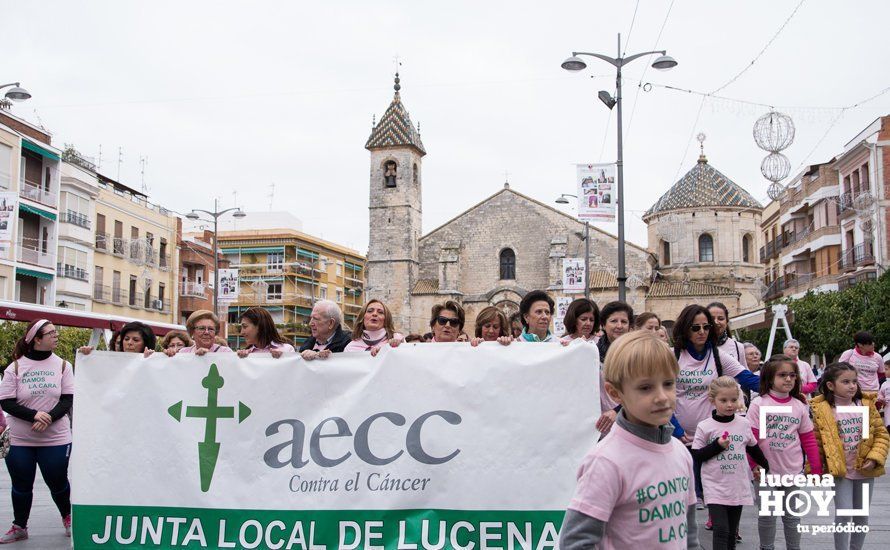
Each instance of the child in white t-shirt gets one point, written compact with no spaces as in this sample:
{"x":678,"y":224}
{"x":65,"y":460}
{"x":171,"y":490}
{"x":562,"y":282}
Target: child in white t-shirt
{"x":638,"y":470}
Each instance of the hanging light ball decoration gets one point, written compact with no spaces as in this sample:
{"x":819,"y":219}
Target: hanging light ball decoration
{"x":775,"y":167}
{"x":775,"y":190}
{"x":864,"y":205}
{"x":774,"y":132}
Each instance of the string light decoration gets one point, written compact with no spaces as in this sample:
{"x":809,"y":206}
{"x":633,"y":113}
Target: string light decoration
{"x":774,"y":132}
{"x":670,"y":228}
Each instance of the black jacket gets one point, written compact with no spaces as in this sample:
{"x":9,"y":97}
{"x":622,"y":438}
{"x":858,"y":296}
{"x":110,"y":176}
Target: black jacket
{"x":339,"y":342}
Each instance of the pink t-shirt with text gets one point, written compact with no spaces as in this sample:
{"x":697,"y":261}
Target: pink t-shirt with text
{"x":629,"y":483}
{"x":849,"y":426}
{"x":733,"y":349}
{"x":692,"y":386}
{"x":39,"y":385}
{"x":868,"y":367}
{"x":781,"y":442}
{"x":726,"y":477}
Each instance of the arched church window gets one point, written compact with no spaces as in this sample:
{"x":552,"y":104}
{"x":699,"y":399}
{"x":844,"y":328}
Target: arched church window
{"x":389,"y":173}
{"x":746,"y":248}
{"x":705,"y":248}
{"x":508,"y":264}
{"x":665,"y":253}
{"x":414,"y":174}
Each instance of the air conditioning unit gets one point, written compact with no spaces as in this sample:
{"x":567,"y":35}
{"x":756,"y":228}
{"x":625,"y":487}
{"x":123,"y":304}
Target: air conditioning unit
{"x":157,"y":304}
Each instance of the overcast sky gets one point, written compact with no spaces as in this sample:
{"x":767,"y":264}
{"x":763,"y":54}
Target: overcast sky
{"x":225,"y":97}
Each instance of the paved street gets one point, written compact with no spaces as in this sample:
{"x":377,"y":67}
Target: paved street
{"x":47,"y":534}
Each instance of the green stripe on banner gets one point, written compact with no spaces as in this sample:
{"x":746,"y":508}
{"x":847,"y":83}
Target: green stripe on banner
{"x":169,"y":527}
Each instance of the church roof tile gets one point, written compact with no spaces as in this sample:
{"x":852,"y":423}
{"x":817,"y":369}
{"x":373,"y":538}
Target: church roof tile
{"x":703,"y":186}
{"x":426,"y":286}
{"x":679,"y":289}
{"x":395,"y":128}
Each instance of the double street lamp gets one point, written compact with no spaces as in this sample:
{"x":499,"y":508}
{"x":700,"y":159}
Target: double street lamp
{"x":575,"y":63}
{"x":563,"y":200}
{"x":195,"y":215}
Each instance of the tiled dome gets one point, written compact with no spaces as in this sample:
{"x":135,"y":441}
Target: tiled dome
{"x":395,"y":128}
{"x":703,"y":186}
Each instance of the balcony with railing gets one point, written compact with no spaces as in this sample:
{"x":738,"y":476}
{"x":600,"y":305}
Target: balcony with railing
{"x":76,"y":218}
{"x":72,"y":272}
{"x":845,"y":201}
{"x":164,"y":262}
{"x":38,"y":194}
{"x":793,"y":237}
{"x":192,"y":289}
{"x":110,"y":294}
{"x":30,"y":255}
{"x":860,"y":255}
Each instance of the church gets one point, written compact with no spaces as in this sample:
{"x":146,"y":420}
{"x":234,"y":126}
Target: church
{"x":496,"y":251}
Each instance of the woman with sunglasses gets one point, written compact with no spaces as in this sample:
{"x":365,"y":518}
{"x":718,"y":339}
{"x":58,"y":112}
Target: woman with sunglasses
{"x":37,"y":392}
{"x":447,"y":321}
{"x":701,"y":361}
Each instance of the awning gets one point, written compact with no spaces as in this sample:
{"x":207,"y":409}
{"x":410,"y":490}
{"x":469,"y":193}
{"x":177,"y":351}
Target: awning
{"x":352,"y":266}
{"x":307,"y":254}
{"x":39,"y":150}
{"x":35,"y":274}
{"x":307,"y":281}
{"x":304,"y":311}
{"x":34,"y":210}
{"x":263,"y":250}
{"x":264,"y":278}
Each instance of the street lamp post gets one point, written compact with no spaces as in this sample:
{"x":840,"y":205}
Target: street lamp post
{"x":575,"y":63}
{"x":562,"y":200}
{"x":194,"y":215}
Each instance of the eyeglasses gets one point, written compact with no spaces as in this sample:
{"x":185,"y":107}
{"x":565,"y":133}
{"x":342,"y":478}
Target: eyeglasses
{"x":788,"y":375}
{"x":48,"y":333}
{"x":699,"y":328}
{"x":205,"y":329}
{"x":447,"y":321}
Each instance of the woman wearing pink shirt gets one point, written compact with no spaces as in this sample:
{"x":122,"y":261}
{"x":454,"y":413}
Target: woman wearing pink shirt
{"x":37,"y":392}
{"x":726,"y":343}
{"x":258,"y":330}
{"x":202,"y":326}
{"x":582,"y":321}
{"x":616,"y":318}
{"x":701,"y":361}
{"x":808,"y":382}
{"x":869,"y":364}
{"x":374,"y":329}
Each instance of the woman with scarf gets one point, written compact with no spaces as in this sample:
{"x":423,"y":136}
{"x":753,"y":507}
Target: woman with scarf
{"x":701,"y":361}
{"x":374,"y":329}
{"x":536,"y":312}
{"x":616,"y":318}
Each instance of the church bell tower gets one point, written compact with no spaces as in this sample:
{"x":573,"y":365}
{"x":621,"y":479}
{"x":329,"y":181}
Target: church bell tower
{"x":395,"y":210}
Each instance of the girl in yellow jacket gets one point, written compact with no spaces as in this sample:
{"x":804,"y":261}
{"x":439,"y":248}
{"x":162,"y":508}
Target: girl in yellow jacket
{"x":853,"y":452}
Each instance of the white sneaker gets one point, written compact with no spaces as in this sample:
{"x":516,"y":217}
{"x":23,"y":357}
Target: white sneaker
{"x":66,"y":522}
{"x":14,"y":534}
{"x":699,"y":504}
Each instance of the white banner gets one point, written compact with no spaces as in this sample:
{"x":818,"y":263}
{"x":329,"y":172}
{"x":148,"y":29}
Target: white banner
{"x":228,"y":285}
{"x":562,"y":307}
{"x":9,"y":203}
{"x":597,"y":192}
{"x":573,"y":275}
{"x":422,"y":443}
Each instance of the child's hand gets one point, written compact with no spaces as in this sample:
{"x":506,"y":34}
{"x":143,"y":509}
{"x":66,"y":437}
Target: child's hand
{"x":756,"y":471}
{"x":868,"y":465}
{"x":724,"y":440}
{"x":687,"y":439}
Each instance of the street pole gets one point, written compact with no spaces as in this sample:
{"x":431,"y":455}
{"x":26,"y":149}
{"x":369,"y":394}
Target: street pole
{"x":575,"y":63}
{"x":216,"y":258}
{"x":587,"y":260}
{"x":622,"y":276}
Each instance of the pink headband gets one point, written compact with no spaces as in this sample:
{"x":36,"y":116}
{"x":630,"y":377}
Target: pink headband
{"x":35,"y":329}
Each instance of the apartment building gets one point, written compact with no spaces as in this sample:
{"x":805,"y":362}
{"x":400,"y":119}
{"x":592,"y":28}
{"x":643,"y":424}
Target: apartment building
{"x":135,"y":260}
{"x":864,"y":187}
{"x":808,"y":244}
{"x":77,"y":210}
{"x":29,"y":180}
{"x":196,"y":272}
{"x":287,"y":271}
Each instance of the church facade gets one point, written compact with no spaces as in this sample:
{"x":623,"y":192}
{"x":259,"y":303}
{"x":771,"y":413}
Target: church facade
{"x":490,"y":254}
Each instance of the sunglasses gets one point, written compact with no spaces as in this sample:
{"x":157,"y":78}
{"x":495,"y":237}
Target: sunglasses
{"x":447,"y":321}
{"x":700,"y":328}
